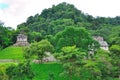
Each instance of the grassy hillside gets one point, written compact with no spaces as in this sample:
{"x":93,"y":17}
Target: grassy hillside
{"x":42,"y":71}
{"x":12,"y":53}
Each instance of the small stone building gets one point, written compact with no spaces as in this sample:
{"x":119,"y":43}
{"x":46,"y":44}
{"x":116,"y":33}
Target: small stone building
{"x":103,"y":44}
{"x":21,"y":40}
{"x":49,"y":58}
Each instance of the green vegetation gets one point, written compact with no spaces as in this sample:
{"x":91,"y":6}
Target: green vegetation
{"x":43,"y":71}
{"x":71,"y":36}
{"x":68,"y":31}
{"x":39,"y":49}
{"x":56,"y":19}
{"x":3,"y":66}
{"x":71,"y":59}
{"x":15,"y":53}
{"x":6,"y":36}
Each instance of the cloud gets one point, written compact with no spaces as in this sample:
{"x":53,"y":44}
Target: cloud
{"x":106,"y":8}
{"x":13,"y":15}
{"x":3,"y":5}
{"x":19,"y":10}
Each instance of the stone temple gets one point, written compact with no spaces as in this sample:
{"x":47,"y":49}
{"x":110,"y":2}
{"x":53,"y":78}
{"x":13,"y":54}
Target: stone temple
{"x":103,"y":44}
{"x":21,"y":40}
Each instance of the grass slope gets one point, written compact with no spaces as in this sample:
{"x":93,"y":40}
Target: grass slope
{"x":42,"y":71}
{"x":12,"y":53}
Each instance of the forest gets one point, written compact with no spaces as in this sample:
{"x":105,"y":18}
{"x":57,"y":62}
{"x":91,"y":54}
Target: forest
{"x":67,"y":33}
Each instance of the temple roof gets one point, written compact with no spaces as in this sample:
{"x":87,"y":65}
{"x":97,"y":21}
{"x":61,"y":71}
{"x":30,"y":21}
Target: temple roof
{"x":101,"y":41}
{"x":21,"y":36}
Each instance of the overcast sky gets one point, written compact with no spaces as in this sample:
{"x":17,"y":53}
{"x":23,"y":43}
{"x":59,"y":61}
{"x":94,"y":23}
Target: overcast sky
{"x":14,"y":12}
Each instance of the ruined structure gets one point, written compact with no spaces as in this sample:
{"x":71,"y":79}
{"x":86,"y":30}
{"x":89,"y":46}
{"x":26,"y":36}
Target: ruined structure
{"x":103,"y":44}
{"x":21,"y":40}
{"x":49,"y":58}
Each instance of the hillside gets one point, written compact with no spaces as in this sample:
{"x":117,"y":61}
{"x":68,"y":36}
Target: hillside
{"x":12,"y":53}
{"x":44,"y":71}
{"x":55,"y":19}
{"x":67,"y":33}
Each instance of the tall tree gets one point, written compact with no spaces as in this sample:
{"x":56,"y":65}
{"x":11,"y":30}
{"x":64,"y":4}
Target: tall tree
{"x":74,"y":36}
{"x":6,"y":35}
{"x":38,"y":49}
{"x":115,"y":49}
{"x":71,"y":59}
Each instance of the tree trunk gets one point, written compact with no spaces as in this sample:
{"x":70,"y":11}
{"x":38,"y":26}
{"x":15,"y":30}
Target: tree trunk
{"x":119,"y":76}
{"x":70,"y":73}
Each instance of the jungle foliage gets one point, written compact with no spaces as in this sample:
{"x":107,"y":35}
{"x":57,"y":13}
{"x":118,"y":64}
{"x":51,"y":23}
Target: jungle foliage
{"x":69,"y":31}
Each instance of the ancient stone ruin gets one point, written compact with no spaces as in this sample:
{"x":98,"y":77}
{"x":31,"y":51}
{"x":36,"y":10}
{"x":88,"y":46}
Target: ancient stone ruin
{"x":49,"y":58}
{"x":103,"y":44}
{"x":21,"y":40}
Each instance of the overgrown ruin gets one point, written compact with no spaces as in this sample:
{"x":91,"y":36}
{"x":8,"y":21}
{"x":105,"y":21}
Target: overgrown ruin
{"x":21,"y":40}
{"x":103,"y":44}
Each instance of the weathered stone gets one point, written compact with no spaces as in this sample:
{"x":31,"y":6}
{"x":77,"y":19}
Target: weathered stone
{"x":103,"y":44}
{"x":49,"y":58}
{"x":21,"y":40}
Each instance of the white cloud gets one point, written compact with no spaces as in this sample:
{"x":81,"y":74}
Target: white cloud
{"x":102,"y":7}
{"x":19,"y":10}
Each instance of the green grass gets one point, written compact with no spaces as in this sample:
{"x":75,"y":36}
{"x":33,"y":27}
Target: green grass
{"x":42,"y":71}
{"x":12,"y":53}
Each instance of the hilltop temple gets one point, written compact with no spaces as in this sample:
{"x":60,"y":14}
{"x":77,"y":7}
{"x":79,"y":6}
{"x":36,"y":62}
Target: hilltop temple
{"x":21,"y":40}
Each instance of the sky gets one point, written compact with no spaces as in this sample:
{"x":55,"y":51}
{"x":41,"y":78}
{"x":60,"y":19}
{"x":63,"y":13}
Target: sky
{"x":14,"y":12}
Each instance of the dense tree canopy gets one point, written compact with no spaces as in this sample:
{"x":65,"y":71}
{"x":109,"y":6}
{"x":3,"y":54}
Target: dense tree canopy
{"x":55,"y":19}
{"x":38,"y":49}
{"x":6,"y":36}
{"x":73,"y":36}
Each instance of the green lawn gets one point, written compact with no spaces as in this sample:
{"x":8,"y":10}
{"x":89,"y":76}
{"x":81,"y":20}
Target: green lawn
{"x":42,"y":71}
{"x":12,"y":53}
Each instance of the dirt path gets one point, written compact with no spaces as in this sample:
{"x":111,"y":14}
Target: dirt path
{"x":8,"y":60}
